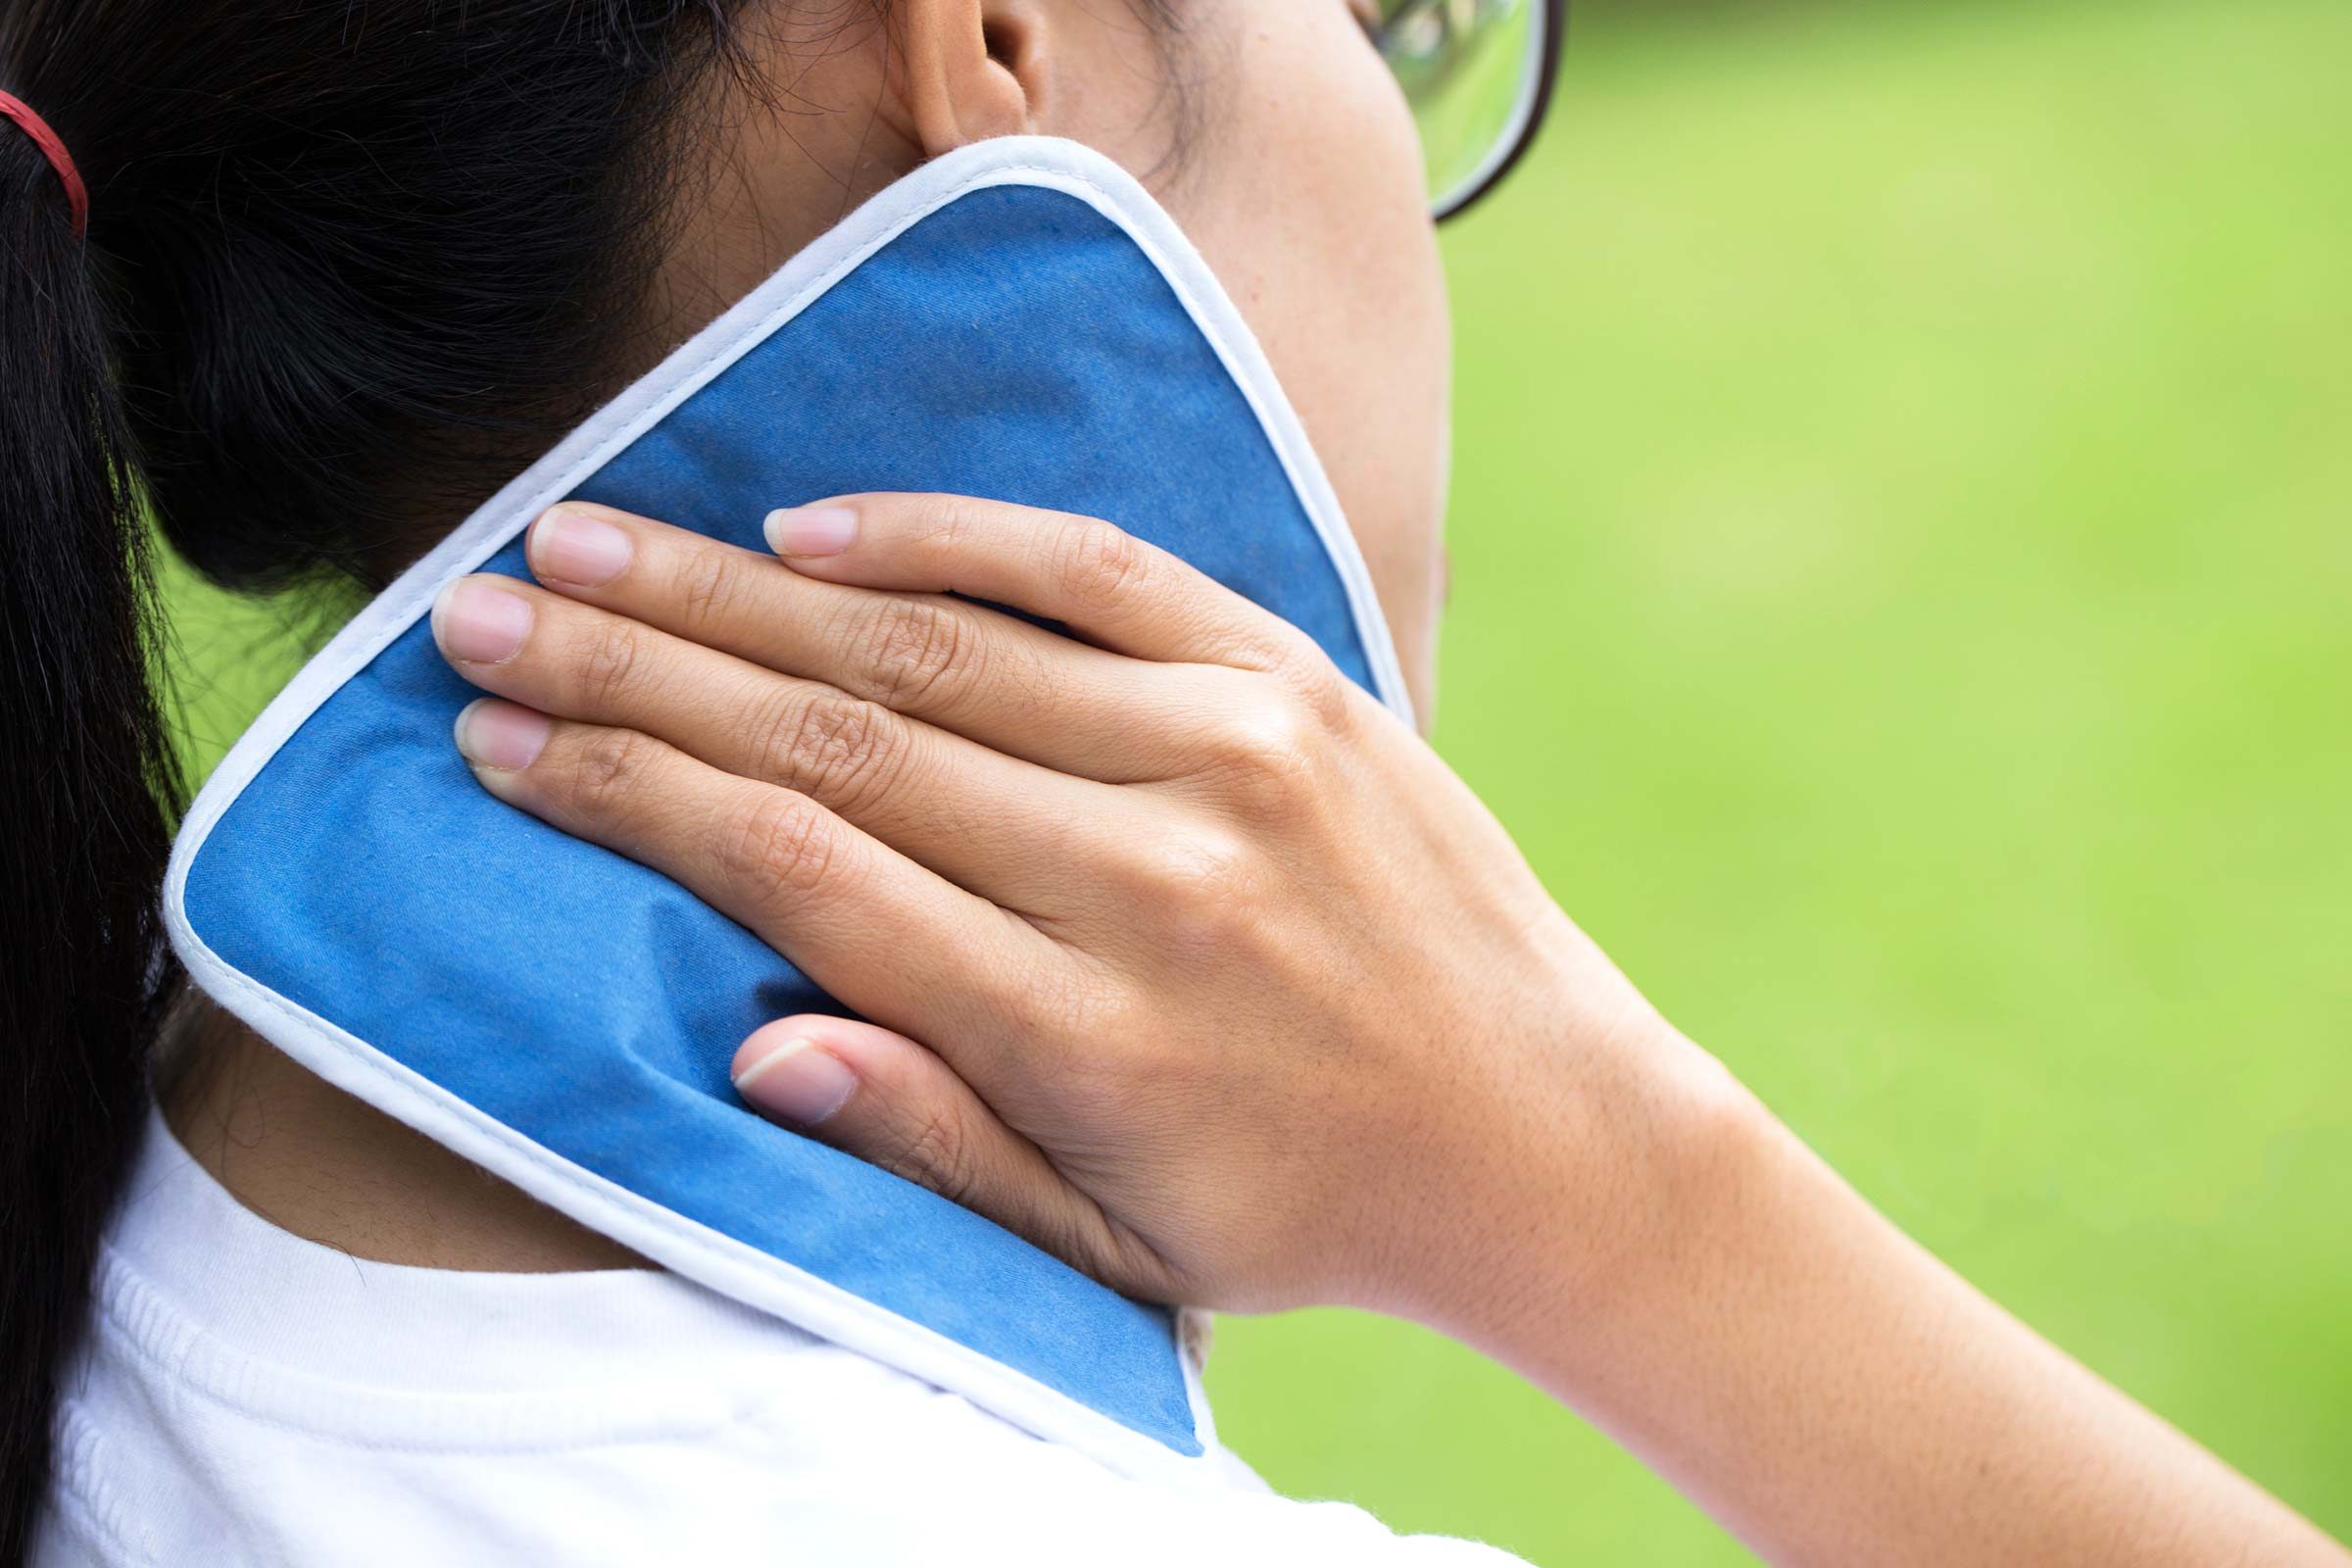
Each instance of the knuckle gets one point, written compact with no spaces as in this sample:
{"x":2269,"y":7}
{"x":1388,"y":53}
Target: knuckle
{"x":1099,"y":561}
{"x":1204,"y":882}
{"x":835,"y":747}
{"x":779,"y":840}
{"x":1268,"y":729}
{"x":609,"y":655}
{"x":947,"y":523}
{"x":608,"y":768}
{"x":1267,"y":750}
{"x":708,"y":581}
{"x":915,"y":648}
{"x":934,"y":1149}
{"x":1308,"y":673}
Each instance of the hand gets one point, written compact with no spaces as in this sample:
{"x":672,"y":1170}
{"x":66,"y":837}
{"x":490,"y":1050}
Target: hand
{"x":1208,"y":974}
{"x":1192,"y":964}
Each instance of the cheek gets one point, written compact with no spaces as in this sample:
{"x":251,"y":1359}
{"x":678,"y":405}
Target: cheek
{"x":1304,"y":192}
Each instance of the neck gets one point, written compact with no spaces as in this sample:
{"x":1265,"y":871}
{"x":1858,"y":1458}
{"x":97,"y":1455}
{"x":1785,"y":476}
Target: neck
{"x":314,"y":1161}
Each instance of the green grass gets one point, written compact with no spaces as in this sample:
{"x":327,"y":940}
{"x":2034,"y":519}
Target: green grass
{"x":1904,"y":605}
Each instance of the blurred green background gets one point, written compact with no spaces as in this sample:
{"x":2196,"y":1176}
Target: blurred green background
{"x":1902,"y":542}
{"x":1902,"y":537}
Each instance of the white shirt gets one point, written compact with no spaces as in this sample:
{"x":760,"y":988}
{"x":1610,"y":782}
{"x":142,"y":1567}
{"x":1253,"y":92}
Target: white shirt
{"x":249,"y":1398}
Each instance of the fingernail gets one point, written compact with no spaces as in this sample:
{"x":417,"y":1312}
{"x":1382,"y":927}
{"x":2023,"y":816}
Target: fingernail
{"x":501,"y":735}
{"x":800,"y":1080}
{"x":477,"y":622}
{"x":810,"y":531}
{"x":573,"y":547}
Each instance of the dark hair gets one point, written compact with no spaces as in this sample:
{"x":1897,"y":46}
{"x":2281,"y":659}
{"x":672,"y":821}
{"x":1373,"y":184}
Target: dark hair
{"x":347,"y":266}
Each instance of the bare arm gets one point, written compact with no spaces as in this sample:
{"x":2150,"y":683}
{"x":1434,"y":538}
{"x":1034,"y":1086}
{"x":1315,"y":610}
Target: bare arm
{"x":1189,"y":962}
{"x":1833,"y":1393}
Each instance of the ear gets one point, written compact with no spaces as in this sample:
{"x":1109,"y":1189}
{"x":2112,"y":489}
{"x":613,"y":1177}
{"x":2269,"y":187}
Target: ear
{"x":974,"y":69}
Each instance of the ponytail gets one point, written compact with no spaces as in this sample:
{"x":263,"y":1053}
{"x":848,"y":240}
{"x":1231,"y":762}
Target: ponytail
{"x":340,"y":282}
{"x":87,"y":784}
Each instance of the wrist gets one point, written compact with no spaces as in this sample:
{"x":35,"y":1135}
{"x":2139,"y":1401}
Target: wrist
{"x":1602,"y":1156}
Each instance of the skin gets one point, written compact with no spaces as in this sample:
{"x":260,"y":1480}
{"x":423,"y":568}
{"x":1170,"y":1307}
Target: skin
{"x":1312,"y":233}
{"x":1188,"y":961}
{"x":1306,"y":1029}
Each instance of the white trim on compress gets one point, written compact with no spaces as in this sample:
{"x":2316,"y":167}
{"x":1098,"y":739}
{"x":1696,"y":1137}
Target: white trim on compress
{"x":692,"y":1249}
{"x":709,"y":1256}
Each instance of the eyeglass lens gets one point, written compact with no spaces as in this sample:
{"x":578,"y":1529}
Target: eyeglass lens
{"x":1478,"y":76}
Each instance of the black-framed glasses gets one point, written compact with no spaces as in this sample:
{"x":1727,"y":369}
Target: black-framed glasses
{"x":1479,"y":76}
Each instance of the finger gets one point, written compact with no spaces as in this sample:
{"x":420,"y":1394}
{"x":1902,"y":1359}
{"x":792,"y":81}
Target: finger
{"x":1092,"y":576}
{"x":1004,"y":828}
{"x":884,"y":935}
{"x":1010,"y":686}
{"x":877,"y":1095}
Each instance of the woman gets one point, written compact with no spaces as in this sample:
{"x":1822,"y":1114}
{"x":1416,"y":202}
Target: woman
{"x":1300,"y":1027}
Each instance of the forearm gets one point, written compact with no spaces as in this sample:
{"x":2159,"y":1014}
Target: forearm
{"x":1833,"y":1393}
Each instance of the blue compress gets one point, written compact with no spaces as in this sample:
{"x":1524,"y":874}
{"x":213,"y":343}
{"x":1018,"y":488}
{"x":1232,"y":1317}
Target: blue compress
{"x":1018,"y":320}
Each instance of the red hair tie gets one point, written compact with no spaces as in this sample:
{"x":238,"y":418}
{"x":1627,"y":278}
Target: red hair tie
{"x":77,"y":195}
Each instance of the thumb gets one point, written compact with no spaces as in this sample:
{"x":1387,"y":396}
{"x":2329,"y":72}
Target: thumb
{"x":889,"y":1102}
